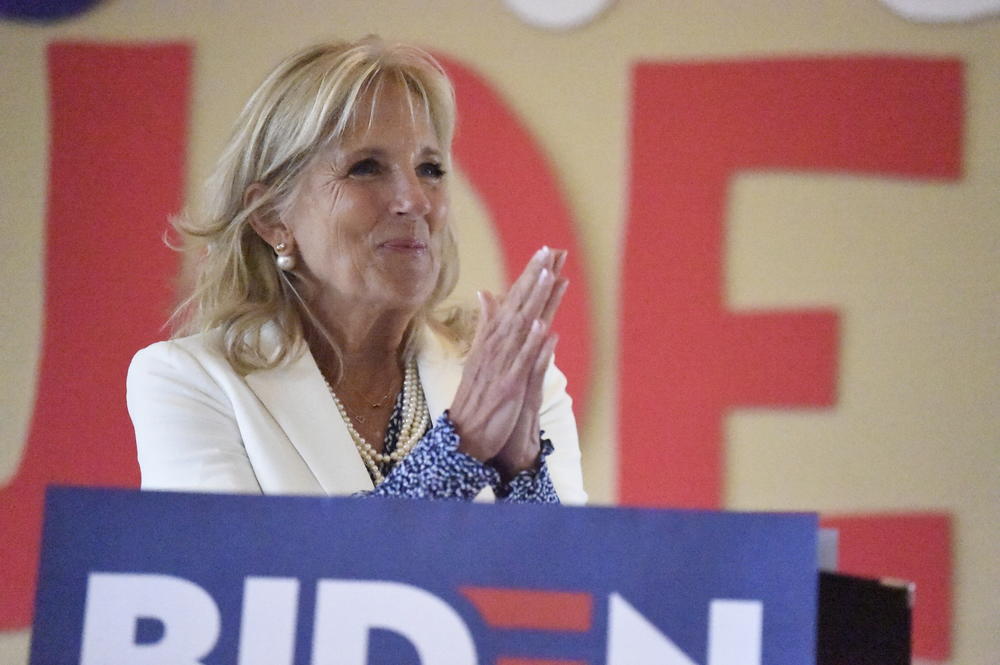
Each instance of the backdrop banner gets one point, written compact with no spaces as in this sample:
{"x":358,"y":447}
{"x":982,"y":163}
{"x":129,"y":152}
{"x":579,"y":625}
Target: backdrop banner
{"x":161,"y":577}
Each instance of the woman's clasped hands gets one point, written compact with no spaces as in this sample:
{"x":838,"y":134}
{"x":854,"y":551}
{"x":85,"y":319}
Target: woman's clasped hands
{"x":496,"y":408}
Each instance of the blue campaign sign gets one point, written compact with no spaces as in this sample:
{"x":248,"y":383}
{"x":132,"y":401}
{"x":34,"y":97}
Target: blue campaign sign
{"x":149,"y":578}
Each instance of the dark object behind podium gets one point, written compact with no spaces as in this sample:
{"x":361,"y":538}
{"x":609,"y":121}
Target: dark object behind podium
{"x":863,"y":621}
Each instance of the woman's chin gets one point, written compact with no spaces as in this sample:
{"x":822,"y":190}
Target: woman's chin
{"x":407,"y":294}
{"x":410,"y":280}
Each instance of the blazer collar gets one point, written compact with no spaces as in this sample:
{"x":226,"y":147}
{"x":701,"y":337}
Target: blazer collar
{"x":297,"y":397}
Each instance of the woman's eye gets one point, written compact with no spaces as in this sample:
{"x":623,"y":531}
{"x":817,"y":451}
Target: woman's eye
{"x":364,"y":167}
{"x":431,"y":170}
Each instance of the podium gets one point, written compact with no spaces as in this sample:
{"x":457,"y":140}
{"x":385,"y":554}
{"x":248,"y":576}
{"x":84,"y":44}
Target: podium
{"x":144,"y":578}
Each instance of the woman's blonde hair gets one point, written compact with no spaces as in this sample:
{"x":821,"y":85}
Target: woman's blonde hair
{"x":307,"y":102}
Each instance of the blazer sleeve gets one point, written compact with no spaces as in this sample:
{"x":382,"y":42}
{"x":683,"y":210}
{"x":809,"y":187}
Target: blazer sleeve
{"x":186,"y":434}
{"x":557,"y":421}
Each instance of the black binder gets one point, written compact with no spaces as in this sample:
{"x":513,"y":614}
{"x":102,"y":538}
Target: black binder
{"x":863,"y":621}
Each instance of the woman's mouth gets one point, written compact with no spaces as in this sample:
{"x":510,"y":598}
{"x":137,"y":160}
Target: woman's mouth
{"x":404,"y":245}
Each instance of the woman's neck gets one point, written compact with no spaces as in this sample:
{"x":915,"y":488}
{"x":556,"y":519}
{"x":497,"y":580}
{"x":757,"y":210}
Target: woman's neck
{"x":370,"y":343}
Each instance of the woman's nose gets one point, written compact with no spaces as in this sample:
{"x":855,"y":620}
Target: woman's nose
{"x":409,"y":197}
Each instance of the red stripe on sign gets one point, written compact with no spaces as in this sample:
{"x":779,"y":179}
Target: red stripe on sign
{"x":537,"y":661}
{"x":532,"y":609}
{"x":118,"y":127}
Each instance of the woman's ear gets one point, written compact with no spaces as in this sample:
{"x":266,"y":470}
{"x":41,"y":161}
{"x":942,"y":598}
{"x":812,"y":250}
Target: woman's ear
{"x":265,"y":222}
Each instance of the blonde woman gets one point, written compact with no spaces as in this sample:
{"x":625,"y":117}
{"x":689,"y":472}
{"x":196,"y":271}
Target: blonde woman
{"x":312,"y":358}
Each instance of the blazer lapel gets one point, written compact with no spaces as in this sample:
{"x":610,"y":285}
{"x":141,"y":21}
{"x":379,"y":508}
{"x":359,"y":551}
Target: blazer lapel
{"x":440,"y":373}
{"x":298,"y":399}
{"x":296,"y":396}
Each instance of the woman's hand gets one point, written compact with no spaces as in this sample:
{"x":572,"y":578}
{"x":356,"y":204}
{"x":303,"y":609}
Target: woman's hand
{"x":522,"y":449}
{"x":509,"y":353}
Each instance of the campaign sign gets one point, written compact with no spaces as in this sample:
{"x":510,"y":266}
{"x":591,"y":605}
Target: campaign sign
{"x":151,"y":578}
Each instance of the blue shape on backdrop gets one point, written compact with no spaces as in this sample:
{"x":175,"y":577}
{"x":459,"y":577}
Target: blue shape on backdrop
{"x":668,"y":565}
{"x":44,"y":10}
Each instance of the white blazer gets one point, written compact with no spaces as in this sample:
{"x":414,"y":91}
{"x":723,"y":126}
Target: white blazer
{"x":202,"y":426}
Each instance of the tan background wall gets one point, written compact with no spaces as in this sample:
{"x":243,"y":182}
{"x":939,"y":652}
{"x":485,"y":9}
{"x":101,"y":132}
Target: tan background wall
{"x":911,"y":266}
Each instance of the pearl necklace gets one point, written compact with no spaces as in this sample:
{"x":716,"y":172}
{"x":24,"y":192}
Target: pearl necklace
{"x":416,"y":417}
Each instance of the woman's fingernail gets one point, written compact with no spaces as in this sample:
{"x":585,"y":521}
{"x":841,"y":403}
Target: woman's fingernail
{"x":536,"y":326}
{"x":542,"y":253}
{"x":544,"y":276}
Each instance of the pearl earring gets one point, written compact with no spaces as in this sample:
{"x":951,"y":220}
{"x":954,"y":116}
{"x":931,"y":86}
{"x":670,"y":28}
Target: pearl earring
{"x":284,"y":262}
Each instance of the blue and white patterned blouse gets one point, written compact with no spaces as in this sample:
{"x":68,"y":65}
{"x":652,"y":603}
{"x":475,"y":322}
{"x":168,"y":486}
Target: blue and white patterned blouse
{"x":435,"y":469}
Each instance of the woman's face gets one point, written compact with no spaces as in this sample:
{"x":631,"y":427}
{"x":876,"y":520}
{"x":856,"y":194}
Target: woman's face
{"x":368,"y":216}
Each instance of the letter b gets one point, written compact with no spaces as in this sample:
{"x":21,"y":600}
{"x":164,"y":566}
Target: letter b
{"x":117,"y":601}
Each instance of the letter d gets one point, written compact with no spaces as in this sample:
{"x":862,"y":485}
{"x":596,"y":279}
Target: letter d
{"x":346,"y":610}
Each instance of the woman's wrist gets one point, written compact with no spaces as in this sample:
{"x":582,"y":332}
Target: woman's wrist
{"x":530,"y":485}
{"x":509,"y":467}
{"x":466,"y":444}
